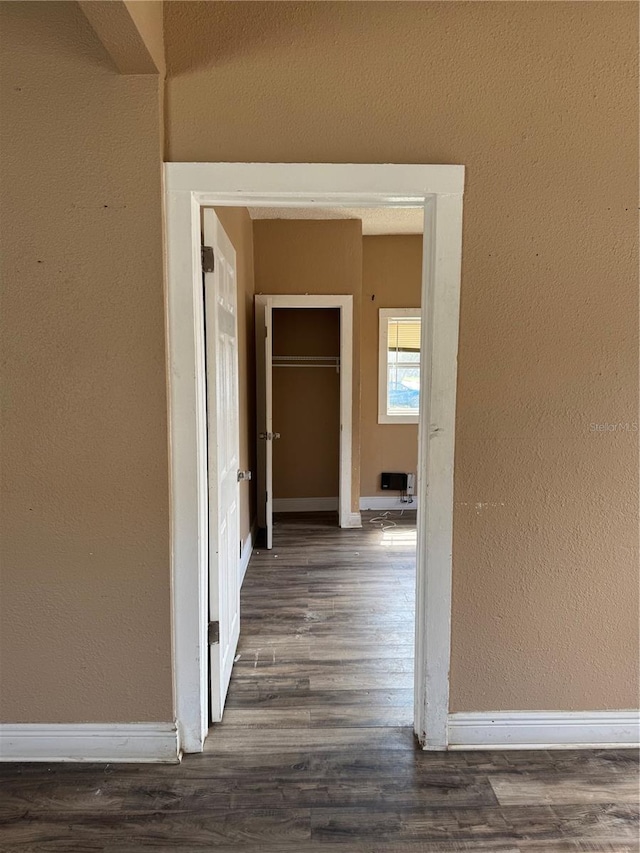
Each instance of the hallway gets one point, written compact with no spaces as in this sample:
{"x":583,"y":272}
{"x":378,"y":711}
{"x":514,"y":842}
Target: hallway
{"x":316,"y":751}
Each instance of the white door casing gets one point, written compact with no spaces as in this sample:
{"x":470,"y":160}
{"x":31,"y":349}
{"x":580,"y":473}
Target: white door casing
{"x":264,"y":305}
{"x":188,"y":188}
{"x":264,"y":416}
{"x":269,"y":435}
{"x":223,"y":442}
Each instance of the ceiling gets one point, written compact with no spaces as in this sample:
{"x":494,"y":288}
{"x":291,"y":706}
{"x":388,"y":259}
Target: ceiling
{"x":375,"y":220}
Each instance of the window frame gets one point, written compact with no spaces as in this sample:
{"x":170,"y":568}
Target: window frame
{"x":384,"y":315}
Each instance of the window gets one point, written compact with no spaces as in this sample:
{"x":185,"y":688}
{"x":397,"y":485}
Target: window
{"x":399,"y":366}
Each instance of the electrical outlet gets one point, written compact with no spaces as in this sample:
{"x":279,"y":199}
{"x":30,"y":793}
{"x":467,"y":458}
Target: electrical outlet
{"x":411,"y":484}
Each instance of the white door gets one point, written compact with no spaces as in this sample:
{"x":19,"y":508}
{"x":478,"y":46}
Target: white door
{"x":221,"y":336}
{"x":264,"y":418}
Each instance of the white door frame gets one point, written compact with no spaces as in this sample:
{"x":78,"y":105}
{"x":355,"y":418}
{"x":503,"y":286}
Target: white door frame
{"x":188,"y":187}
{"x":346,"y":518}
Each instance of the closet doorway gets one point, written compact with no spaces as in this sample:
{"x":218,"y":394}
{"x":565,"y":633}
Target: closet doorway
{"x":306,"y":409}
{"x":304,"y":363}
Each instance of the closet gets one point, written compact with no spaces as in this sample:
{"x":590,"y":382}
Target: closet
{"x":306,"y":409}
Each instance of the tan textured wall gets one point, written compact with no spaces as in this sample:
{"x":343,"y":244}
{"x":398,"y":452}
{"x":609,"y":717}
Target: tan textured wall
{"x":85,"y":607}
{"x":239,"y":228}
{"x":391,"y":278}
{"x":306,"y":405}
{"x":539,"y":101}
{"x":316,"y":257}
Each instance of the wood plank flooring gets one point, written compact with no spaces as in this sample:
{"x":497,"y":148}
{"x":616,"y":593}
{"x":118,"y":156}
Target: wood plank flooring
{"x":316,"y":751}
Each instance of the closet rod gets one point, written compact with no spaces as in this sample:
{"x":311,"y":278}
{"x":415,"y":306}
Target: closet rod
{"x":306,"y":361}
{"x":332,"y":358}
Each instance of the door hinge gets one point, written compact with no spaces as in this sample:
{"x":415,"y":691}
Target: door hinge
{"x":213,"y":634}
{"x":208,"y":258}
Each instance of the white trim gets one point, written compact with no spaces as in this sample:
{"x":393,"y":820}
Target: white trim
{"x":441,"y":266}
{"x":387,"y":502}
{"x":188,"y":468}
{"x":384,"y":315}
{"x":544,"y":729}
{"x":282,"y":184}
{"x":110,"y":742}
{"x":439,"y":188}
{"x":345,"y":305}
{"x":247,"y":551}
{"x":353,"y":520}
{"x":305,"y":504}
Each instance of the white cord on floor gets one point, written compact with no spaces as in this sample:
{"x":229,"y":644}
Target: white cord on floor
{"x":383,"y":522}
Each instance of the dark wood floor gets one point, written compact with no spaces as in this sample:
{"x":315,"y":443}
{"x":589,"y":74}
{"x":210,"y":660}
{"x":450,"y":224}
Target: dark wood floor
{"x":316,"y":751}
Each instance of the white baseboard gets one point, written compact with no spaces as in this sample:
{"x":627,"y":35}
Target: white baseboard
{"x":544,"y":729}
{"x":103,"y":742}
{"x":247,"y":551}
{"x":387,"y":502}
{"x":305,"y":504}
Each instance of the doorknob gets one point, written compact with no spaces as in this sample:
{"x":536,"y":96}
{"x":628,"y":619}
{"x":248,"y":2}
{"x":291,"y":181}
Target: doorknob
{"x":244,"y":475}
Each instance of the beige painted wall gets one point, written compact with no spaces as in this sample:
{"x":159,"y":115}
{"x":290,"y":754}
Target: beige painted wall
{"x":391,"y":278}
{"x":539,"y":101}
{"x":316,"y":257}
{"x":238,"y":226}
{"x":85,"y":603}
{"x":306,"y":405}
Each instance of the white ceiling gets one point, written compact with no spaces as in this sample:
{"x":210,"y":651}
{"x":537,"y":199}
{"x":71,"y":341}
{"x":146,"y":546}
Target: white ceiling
{"x":375,"y":220}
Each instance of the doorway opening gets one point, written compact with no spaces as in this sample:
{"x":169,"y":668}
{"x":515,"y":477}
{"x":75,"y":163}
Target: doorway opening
{"x":305,"y":379}
{"x":438,"y":189}
{"x":316,"y":599}
{"x":304,"y":383}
